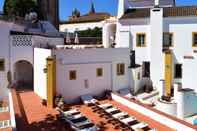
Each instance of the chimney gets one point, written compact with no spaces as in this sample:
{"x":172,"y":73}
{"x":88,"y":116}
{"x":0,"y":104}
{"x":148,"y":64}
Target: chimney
{"x":156,"y":3}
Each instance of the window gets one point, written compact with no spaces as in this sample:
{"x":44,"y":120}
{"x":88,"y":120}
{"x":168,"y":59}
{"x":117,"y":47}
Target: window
{"x":194,"y":39}
{"x":146,"y":69}
{"x":2,"y":64}
{"x":141,"y":40}
{"x":167,"y":39}
{"x":73,"y":75}
{"x":4,"y":109}
{"x":120,"y":69}
{"x":99,"y":72}
{"x":5,"y":124}
{"x":178,"y":71}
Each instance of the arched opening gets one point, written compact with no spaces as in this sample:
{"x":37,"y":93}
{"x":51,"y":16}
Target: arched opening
{"x":23,"y":74}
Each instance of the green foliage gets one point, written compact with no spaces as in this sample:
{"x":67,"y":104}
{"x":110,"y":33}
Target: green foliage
{"x":19,"y":7}
{"x":96,"y":32}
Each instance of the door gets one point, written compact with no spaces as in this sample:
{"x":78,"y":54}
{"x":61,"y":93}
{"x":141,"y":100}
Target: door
{"x":168,"y":72}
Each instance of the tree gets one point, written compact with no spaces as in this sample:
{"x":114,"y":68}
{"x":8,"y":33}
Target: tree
{"x":19,"y":7}
{"x":96,"y":32}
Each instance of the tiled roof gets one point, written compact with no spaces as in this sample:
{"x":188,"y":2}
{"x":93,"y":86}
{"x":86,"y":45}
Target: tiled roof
{"x":167,"y":12}
{"x":150,"y":3}
{"x":92,"y":17}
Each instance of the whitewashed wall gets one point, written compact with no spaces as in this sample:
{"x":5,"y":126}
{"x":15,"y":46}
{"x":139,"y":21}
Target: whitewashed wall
{"x":4,"y":37}
{"x":80,"y":26}
{"x":181,"y":27}
{"x":5,"y":53}
{"x":40,"y":78}
{"x":72,"y":89}
{"x":186,"y":103}
{"x":85,"y":61}
{"x":41,"y":41}
{"x":190,"y":74}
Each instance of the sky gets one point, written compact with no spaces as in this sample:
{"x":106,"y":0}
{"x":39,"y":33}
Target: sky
{"x":110,"y":6}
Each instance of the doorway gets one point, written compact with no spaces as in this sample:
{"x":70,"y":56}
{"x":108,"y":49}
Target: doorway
{"x":23,"y":74}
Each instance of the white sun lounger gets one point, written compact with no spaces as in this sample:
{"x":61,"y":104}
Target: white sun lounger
{"x":139,"y":125}
{"x":127,"y":120}
{"x":88,"y":99}
{"x":119,"y":115}
{"x":70,"y":112}
{"x":105,"y":106}
{"x":111,"y":110}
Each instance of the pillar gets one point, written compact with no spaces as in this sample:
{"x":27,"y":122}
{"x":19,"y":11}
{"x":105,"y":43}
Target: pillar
{"x":177,"y":87}
{"x":51,"y":81}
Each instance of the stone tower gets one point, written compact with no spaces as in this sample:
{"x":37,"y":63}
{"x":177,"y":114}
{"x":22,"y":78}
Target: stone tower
{"x":50,"y":11}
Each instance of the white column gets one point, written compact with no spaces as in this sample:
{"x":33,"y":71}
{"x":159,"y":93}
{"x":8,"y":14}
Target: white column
{"x":156,"y":2}
{"x":177,"y":87}
{"x":180,"y":105}
{"x":155,"y":49}
{"x":162,"y":89}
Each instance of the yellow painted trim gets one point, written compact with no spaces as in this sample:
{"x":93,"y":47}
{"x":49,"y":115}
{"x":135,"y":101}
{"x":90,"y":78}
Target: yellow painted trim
{"x":172,"y":45}
{"x":137,"y":35}
{"x":168,"y":73}
{"x":193,"y":43}
{"x":51,"y":81}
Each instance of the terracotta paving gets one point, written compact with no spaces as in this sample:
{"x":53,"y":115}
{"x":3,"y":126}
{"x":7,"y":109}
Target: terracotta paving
{"x":31,"y":115}
{"x":109,"y":127}
{"x":6,"y":129}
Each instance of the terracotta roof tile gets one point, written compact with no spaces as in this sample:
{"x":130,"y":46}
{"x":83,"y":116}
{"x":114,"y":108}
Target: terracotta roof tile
{"x":93,"y":17}
{"x":167,"y":12}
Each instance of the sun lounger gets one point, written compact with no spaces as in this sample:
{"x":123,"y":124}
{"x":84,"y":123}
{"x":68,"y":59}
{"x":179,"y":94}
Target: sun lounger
{"x":71,"y":112}
{"x":120,"y":115}
{"x":128,"y":120}
{"x":139,"y":125}
{"x":88,"y":127}
{"x":88,"y":100}
{"x":111,"y":110}
{"x":105,"y":106}
{"x":126,"y":93}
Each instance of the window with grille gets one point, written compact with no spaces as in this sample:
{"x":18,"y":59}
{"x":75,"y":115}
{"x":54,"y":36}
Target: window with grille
{"x":168,"y":39}
{"x":99,"y":72}
{"x":73,"y":75}
{"x":120,"y":69}
{"x":141,"y":40}
{"x":5,"y":124}
{"x":194,"y":35}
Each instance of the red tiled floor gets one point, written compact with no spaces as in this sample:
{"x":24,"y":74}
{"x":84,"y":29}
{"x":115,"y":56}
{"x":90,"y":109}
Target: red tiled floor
{"x":31,"y":115}
{"x":6,"y":129}
{"x":4,"y":116}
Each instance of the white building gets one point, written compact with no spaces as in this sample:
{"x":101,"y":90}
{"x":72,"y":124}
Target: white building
{"x":92,"y":20}
{"x":163,"y":35}
{"x":152,"y":46}
{"x":17,"y":43}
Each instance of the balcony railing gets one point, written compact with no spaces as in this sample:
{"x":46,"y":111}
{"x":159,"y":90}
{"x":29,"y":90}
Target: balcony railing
{"x":83,"y":41}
